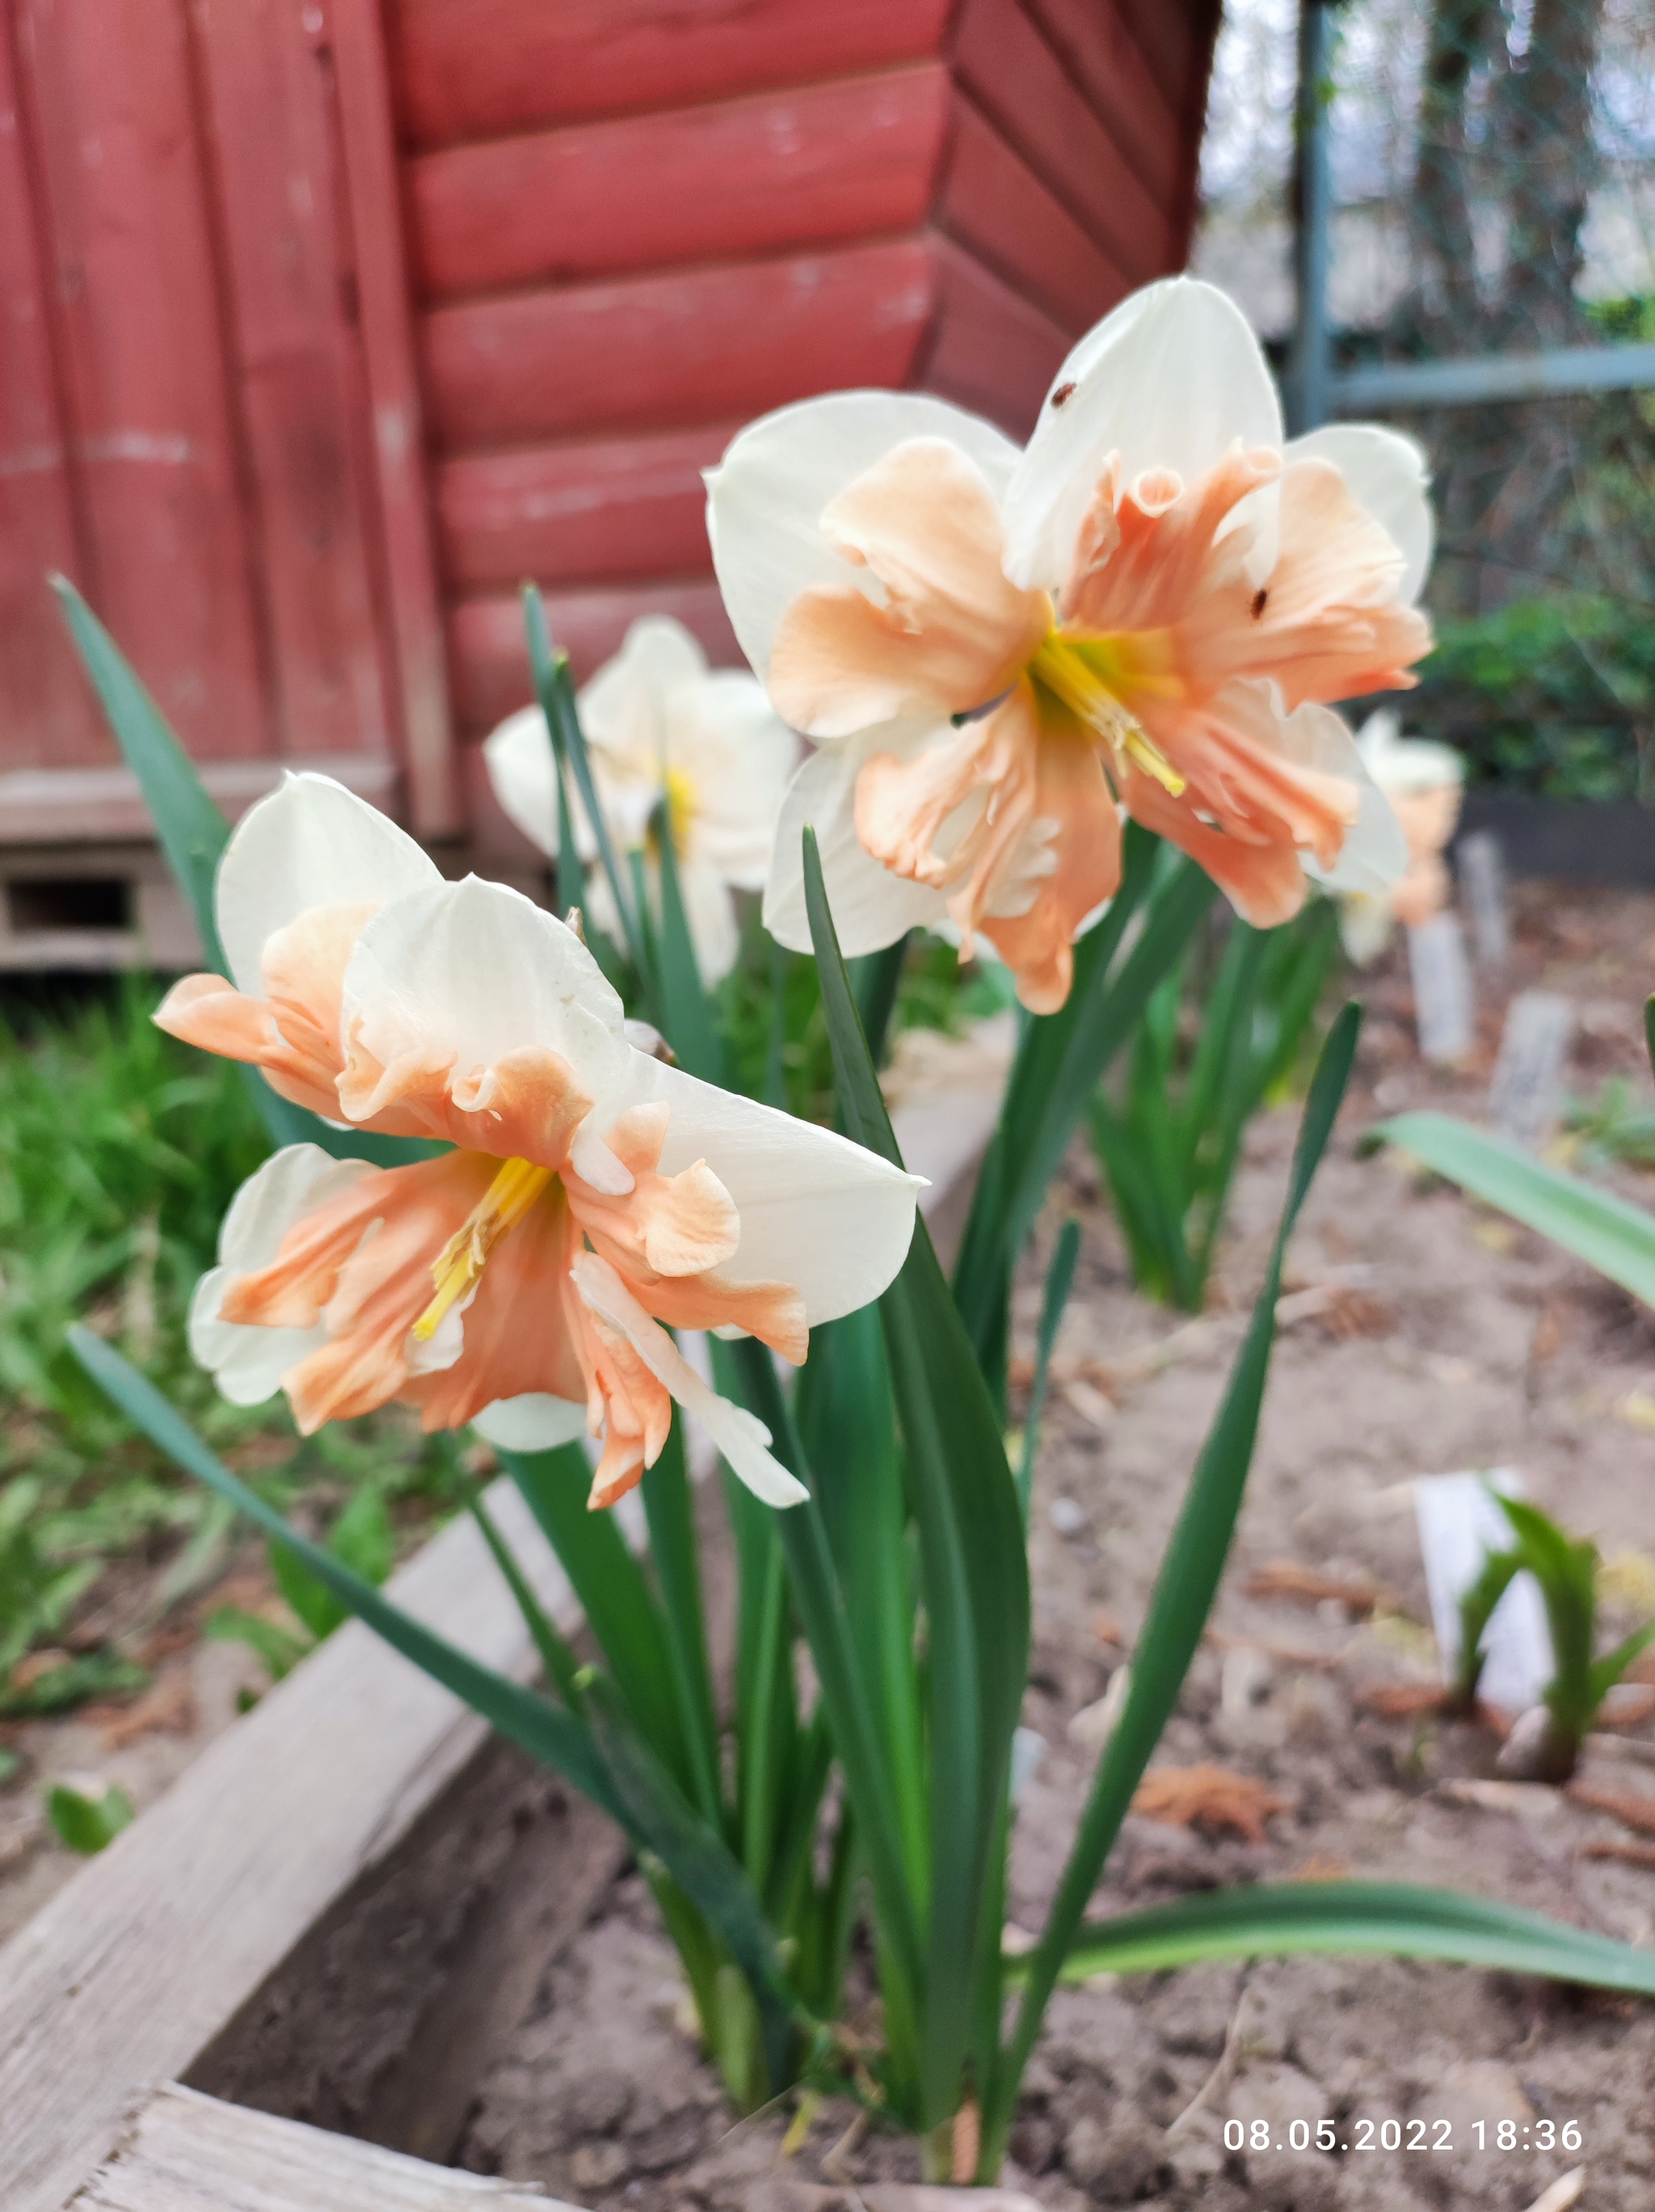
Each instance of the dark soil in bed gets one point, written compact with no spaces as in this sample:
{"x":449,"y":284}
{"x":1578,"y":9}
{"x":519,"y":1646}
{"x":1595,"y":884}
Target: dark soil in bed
{"x":500,"y":1996}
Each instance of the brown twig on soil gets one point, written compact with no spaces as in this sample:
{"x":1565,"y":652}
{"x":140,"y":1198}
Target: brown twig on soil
{"x":1291,"y":1579}
{"x":1395,"y":1701}
{"x":1284,"y":1655}
{"x":1603,"y":1847}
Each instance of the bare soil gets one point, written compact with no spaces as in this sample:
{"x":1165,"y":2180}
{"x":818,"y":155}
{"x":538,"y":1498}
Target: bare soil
{"x":498,"y":1995}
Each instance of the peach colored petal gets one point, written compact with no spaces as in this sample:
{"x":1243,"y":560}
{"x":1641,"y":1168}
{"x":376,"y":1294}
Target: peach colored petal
{"x":673,"y":1225}
{"x":526,"y":1106}
{"x":1151,"y":558}
{"x":1037,"y":945}
{"x":1228,"y":752}
{"x":909,"y":813}
{"x":1421,"y":892}
{"x":1262,"y":880}
{"x":952,"y":632}
{"x":207,"y":1011}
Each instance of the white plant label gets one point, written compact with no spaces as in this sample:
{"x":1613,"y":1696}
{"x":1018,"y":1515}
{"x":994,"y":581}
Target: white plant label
{"x":1442,"y":987}
{"x":1459,"y":1525}
{"x":1527,"y":1092}
{"x":1482,"y":879}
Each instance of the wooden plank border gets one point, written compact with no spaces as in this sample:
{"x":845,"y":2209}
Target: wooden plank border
{"x":123,"y":1977}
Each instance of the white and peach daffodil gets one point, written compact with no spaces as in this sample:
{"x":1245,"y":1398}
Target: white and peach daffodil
{"x":659,"y":724}
{"x":521,"y":1280}
{"x":1424,"y":783}
{"x":995,"y":651}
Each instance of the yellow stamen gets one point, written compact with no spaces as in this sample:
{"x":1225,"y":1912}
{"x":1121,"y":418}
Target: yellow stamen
{"x":1073,"y":670}
{"x":458,"y":1265}
{"x":682,"y":806}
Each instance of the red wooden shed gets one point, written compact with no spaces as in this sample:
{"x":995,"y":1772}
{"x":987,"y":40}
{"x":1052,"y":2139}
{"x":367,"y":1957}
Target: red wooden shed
{"x":326,"y":322}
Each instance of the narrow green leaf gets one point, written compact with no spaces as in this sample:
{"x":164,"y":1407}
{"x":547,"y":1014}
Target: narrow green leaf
{"x":670,"y":1514}
{"x":689,"y":1025}
{"x":874,"y":979}
{"x":1059,"y":1281}
{"x":278,"y":1650}
{"x":540,"y":1729}
{"x":556,"y":1656}
{"x":1359,"y":1918}
{"x":609,"y":1583}
{"x":555,"y":686}
{"x":1184,"y":1588}
{"x":696,"y":1858}
{"x":1610,"y":1235}
{"x":747,"y":1370}
{"x":974,"y":1571}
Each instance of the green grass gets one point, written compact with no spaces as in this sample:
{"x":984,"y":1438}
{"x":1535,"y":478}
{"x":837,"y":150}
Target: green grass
{"x":119,"y":1152}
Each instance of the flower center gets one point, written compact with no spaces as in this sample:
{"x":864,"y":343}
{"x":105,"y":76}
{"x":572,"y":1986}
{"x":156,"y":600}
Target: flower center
{"x":682,"y":805}
{"x":1091,"y":674}
{"x":458,"y":1265}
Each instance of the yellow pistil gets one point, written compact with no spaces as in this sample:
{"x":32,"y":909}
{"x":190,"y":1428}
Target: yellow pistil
{"x":458,"y":1265}
{"x":682,"y":805}
{"x":1088,"y":675}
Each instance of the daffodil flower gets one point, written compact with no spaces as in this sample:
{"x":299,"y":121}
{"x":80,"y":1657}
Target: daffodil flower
{"x":661,"y":725}
{"x":994,"y":650}
{"x":1424,"y":783}
{"x":521,"y":1280}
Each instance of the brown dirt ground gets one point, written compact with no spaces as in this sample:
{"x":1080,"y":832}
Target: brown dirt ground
{"x":1445,"y":1339}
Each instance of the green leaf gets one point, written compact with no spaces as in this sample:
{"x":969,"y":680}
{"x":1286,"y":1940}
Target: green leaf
{"x":975,"y":1572}
{"x":1059,"y":1281}
{"x":1477,"y":1608}
{"x":88,"y":1824}
{"x":555,"y":688}
{"x":556,"y":1657}
{"x":609,"y":1583}
{"x":1616,"y":1238}
{"x":671,"y":1515}
{"x":70,"y":1683}
{"x":1360,"y":1918}
{"x":279,"y":1649}
{"x":874,"y":979}
{"x":1184,"y":1588}
{"x":193,"y":833}
{"x":690,"y":1027}
{"x":540,"y":1727}
{"x":10,"y":1764}
{"x":699,"y":1862}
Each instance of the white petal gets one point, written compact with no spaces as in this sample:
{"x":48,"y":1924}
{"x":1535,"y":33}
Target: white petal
{"x":523,"y":773}
{"x":310,"y":842}
{"x":871,"y":907}
{"x":1170,"y":380}
{"x":1406,"y":766}
{"x":816,"y":1210}
{"x":1375,"y":851}
{"x":737,"y":757}
{"x":624,"y":706}
{"x":472,"y":971}
{"x":765,"y":498}
{"x":533,"y":1422}
{"x":738,"y":1435}
{"x":714,"y":933}
{"x":1391,"y":477}
{"x":248,"y":1362}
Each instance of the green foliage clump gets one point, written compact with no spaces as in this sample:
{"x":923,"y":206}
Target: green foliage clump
{"x":1554,"y":694}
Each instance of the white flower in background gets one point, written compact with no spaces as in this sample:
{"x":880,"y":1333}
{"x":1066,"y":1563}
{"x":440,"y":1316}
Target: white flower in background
{"x":520,"y":1281}
{"x":660,"y":724}
{"x":1424,"y":783}
{"x":996,"y":652}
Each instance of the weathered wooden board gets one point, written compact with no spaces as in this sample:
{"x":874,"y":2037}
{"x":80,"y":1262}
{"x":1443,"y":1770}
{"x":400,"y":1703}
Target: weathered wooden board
{"x":693,"y":345}
{"x":775,"y":172}
{"x":592,"y":509}
{"x":1094,"y":42}
{"x":267,"y":99}
{"x":47,"y":707}
{"x":187,"y":2153}
{"x":380,"y":283}
{"x":1020,"y":82}
{"x":490,"y":661}
{"x":64,"y":805}
{"x":996,"y":206}
{"x":123,"y":198}
{"x":140,"y":1960}
{"x":477,"y":69}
